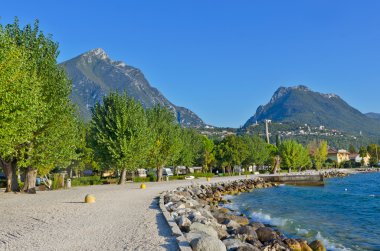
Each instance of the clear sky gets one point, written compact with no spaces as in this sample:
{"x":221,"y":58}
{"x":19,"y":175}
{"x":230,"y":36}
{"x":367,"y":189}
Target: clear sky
{"x":222,"y":59}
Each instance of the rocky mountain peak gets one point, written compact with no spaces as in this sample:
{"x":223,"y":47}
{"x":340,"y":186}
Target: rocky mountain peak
{"x":285,"y":90}
{"x":94,"y":74}
{"x":97,"y":53}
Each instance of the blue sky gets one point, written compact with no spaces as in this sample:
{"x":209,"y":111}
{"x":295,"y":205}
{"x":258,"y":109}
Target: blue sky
{"x":222,"y":59}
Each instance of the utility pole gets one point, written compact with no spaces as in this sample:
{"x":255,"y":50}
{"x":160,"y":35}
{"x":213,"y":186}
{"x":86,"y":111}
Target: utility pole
{"x":267,"y":121}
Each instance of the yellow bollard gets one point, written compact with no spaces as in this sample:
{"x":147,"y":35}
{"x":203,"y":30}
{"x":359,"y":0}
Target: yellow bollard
{"x":208,"y":179}
{"x":142,"y":186}
{"x":90,"y":198}
{"x":246,"y":176}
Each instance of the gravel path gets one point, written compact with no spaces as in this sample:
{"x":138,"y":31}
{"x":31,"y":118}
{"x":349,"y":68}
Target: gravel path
{"x":123,"y":218}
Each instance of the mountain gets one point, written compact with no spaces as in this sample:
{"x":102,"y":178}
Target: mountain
{"x":373,"y":115}
{"x":94,"y":75}
{"x":301,"y":105}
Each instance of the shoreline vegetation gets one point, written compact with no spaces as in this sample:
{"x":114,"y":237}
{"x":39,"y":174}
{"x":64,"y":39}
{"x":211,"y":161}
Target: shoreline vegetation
{"x":207,"y":225}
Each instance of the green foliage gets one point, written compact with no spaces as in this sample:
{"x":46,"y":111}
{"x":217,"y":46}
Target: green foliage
{"x":318,"y":152}
{"x":38,"y":123}
{"x":374,"y":151}
{"x":294,"y":155}
{"x":231,"y":151}
{"x":165,"y":138}
{"x":118,"y":132}
{"x":207,"y":153}
{"x":191,"y":146}
{"x":86,"y":181}
{"x":352,"y":148}
{"x":259,"y":151}
{"x":57,"y":181}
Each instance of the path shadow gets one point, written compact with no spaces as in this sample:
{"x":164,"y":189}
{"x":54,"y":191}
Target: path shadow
{"x":163,"y":227}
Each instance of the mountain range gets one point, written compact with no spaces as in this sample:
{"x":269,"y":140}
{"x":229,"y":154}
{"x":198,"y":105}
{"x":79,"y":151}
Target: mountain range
{"x":94,"y":75}
{"x":373,"y":115}
{"x":301,"y":105}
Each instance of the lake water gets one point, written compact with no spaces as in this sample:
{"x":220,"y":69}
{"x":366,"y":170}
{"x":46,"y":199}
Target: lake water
{"x":344,"y":214}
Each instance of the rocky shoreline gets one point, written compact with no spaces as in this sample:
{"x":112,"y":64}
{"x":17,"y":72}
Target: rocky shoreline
{"x":207,"y":225}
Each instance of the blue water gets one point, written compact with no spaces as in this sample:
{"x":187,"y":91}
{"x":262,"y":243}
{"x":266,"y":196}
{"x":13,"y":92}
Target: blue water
{"x":344,"y":214}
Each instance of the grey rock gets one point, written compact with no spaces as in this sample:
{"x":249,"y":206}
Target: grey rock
{"x":196,"y":226}
{"x":257,"y":225}
{"x":265,"y":234}
{"x":207,"y":243}
{"x":236,"y":244}
{"x":249,"y":232}
{"x":184,"y":223}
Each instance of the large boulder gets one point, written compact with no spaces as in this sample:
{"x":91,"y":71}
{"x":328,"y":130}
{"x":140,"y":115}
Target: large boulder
{"x":256,"y":225}
{"x":232,"y":225}
{"x":293,"y":244}
{"x":184,"y":223}
{"x":220,"y":229}
{"x":207,"y":243}
{"x":317,"y":246}
{"x":249,"y":231}
{"x":236,"y":244}
{"x":265,"y":234}
{"x":248,"y":248}
{"x":304,"y":245}
{"x":209,"y":230}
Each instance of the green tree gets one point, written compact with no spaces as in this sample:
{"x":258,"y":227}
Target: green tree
{"x":191,"y":145}
{"x":119,"y":133}
{"x":373,"y":151}
{"x":258,"y":152}
{"x":232,"y":151}
{"x":318,"y":152}
{"x":50,"y":137}
{"x":165,"y":138}
{"x":352,"y":148}
{"x":19,"y":87}
{"x":294,"y":155}
{"x":363,"y":154}
{"x":207,"y":153}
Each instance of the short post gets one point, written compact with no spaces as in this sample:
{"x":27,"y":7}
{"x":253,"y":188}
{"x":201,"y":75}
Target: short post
{"x":68,"y":183}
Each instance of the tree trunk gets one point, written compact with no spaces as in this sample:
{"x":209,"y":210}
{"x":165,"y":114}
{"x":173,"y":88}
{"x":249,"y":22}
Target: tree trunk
{"x":122,"y":177}
{"x":159,"y":174}
{"x":15,"y":178}
{"x":30,"y":180}
{"x":7,"y":168}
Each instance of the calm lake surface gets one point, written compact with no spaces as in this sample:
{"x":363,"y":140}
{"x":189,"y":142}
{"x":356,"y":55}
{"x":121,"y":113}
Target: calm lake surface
{"x":344,"y":214}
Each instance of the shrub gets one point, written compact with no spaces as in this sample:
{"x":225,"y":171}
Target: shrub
{"x":86,"y":181}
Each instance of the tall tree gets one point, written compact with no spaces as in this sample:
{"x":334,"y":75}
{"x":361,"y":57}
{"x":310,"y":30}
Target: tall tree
{"x":19,"y":88}
{"x":318,"y":152}
{"x":258,"y":152}
{"x":363,"y":154}
{"x":191,"y":145}
{"x":207,"y":153}
{"x":352,"y":148}
{"x":165,"y":138}
{"x":119,"y":133}
{"x":232,"y":151}
{"x":373,"y":151}
{"x":52,"y":124}
{"x":294,"y":155}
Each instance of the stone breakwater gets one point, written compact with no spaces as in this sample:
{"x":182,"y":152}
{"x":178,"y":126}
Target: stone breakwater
{"x":333,"y":174}
{"x":208,"y":226}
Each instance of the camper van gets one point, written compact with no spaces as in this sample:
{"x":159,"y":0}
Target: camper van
{"x":167,"y":172}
